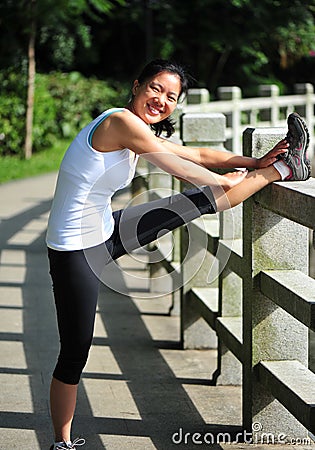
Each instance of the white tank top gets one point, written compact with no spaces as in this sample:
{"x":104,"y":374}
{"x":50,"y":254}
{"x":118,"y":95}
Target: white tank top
{"x":81,"y":213}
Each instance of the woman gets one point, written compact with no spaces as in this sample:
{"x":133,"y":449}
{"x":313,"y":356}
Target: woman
{"x":84,"y":234}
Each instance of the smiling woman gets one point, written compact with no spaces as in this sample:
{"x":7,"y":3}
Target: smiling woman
{"x":156,"y":100}
{"x":158,"y":67}
{"x":84,"y":234}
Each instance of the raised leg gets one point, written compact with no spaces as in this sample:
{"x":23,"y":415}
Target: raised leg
{"x":252,"y":183}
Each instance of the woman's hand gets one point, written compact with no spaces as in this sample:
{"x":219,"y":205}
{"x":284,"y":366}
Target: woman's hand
{"x":271,"y":157}
{"x":233,"y":178}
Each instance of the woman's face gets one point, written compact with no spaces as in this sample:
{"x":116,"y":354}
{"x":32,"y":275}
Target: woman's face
{"x":156,"y":99}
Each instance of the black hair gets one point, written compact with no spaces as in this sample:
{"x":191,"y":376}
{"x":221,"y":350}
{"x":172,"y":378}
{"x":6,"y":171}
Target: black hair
{"x":155,"y":67}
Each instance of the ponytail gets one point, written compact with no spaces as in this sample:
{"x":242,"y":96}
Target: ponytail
{"x":166,"y":126}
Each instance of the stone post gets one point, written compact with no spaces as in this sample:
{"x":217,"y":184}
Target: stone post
{"x":203,"y":130}
{"x":303,"y":89}
{"x":198,"y":130}
{"x":139,"y":185}
{"x":197,"y":96}
{"x":269,"y":333}
{"x":163,"y":281}
{"x":271,"y":114}
{"x":234,"y":94}
{"x":160,"y":185}
{"x":175,"y":306}
{"x":230,"y":294}
{"x":306,"y":111}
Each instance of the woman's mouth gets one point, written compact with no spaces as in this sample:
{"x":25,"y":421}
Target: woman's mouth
{"x":154,"y":110}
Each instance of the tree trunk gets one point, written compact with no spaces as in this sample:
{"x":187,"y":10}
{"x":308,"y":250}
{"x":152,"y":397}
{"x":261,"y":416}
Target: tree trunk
{"x":30,"y":88}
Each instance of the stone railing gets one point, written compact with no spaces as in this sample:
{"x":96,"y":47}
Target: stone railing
{"x":268,"y":109}
{"x":240,"y":283}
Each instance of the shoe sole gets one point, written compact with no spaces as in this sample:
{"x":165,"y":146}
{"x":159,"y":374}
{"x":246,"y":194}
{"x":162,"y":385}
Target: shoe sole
{"x":296,"y":121}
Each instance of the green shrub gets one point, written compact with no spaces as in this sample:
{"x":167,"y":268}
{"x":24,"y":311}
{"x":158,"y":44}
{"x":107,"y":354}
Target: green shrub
{"x":45,"y":128}
{"x":64,"y":103}
{"x":12,"y":111}
{"x":67,"y":102}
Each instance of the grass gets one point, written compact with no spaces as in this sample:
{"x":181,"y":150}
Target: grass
{"x":13,"y":167}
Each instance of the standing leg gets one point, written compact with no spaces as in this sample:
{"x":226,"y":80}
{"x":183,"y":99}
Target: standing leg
{"x":63,"y":398}
{"x":75,"y":290}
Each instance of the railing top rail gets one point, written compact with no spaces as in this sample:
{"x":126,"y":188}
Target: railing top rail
{"x":245,"y":104}
{"x":293,"y":200}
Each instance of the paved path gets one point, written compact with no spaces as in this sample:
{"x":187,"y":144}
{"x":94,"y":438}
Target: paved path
{"x":138,"y":388}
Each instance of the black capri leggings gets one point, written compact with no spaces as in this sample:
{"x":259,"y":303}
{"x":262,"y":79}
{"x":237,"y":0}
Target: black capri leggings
{"x":76,"y":274}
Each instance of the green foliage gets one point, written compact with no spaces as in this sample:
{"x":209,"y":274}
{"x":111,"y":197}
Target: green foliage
{"x":232,"y":42}
{"x":12,"y":111}
{"x":77,"y":100}
{"x":64,"y":103}
{"x":62,"y":28}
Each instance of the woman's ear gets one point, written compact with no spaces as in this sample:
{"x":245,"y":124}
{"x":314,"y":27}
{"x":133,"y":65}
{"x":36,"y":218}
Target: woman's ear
{"x":135,"y":87}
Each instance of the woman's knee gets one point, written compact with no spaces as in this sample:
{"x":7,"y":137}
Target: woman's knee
{"x":70,"y":366}
{"x":72,"y":358}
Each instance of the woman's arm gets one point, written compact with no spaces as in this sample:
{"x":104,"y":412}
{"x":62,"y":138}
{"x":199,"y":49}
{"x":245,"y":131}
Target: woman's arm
{"x":224,"y":159}
{"x":128,"y":131}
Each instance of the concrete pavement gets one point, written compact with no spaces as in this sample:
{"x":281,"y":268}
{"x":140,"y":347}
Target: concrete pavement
{"x":139,"y":391}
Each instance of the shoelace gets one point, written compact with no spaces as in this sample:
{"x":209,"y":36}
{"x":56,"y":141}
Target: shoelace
{"x":77,"y":442}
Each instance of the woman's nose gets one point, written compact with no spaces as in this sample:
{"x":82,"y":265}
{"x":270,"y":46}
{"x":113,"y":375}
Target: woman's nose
{"x":160,"y":98}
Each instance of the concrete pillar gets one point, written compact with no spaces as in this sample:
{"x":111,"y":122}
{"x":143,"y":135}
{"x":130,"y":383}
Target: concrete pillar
{"x":139,"y":185}
{"x":203,"y":130}
{"x":269,"y":333}
{"x":229,"y":92}
{"x":175,"y":307}
{"x":160,"y":184}
{"x":271,"y":114}
{"x":176,"y":119}
{"x":303,"y":89}
{"x":233,"y":119}
{"x":195,"y":266}
{"x":198,"y":130}
{"x":197,"y":96}
{"x":230,"y":295}
{"x":306,"y":111}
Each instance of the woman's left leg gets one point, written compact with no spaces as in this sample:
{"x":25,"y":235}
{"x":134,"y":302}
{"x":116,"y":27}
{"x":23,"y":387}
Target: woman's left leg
{"x":139,"y":225}
{"x":252,"y":183}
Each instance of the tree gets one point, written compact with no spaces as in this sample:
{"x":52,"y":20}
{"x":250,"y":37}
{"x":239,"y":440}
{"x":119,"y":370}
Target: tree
{"x":242,"y":42}
{"x":30,"y":83}
{"x":238,"y":41}
{"x":44,"y":18}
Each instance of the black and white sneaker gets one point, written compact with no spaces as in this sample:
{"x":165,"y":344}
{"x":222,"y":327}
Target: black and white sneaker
{"x":68,"y":445}
{"x":296,"y":156}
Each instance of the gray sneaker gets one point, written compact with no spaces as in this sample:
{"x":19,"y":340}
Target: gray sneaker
{"x":296,"y":156}
{"x":63,"y":445}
